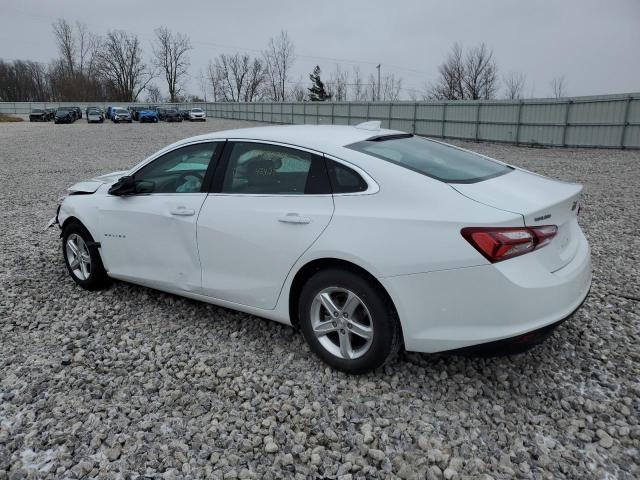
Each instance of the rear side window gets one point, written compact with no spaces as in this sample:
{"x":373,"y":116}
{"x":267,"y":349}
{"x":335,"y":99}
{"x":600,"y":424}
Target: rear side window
{"x":344,"y":179}
{"x":263,"y":169}
{"x":433,"y":159}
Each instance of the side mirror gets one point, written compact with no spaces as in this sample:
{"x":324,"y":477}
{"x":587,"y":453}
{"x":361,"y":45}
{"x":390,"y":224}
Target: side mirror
{"x":124,"y":186}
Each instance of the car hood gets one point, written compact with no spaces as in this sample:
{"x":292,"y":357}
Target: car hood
{"x":90,"y":186}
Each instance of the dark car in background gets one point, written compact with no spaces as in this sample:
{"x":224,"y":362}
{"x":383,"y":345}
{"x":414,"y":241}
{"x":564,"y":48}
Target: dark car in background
{"x":64,"y":115}
{"x":38,"y":115}
{"x":135,"y":110}
{"x":172,"y":115}
{"x":184,"y":114}
{"x":161,"y":113}
{"x":51,"y":112}
{"x":78,"y":112}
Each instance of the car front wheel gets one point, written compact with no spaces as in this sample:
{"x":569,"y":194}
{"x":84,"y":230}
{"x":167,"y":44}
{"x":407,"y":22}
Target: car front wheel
{"x":82,"y":258}
{"x":348,"y":321}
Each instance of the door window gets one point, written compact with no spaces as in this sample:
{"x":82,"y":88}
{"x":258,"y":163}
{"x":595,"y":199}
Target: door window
{"x":256,"y":168}
{"x":180,"y":171}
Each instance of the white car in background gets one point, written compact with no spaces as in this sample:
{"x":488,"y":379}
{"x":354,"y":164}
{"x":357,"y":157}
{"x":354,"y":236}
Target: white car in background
{"x":197,"y":114}
{"x":366,"y":239}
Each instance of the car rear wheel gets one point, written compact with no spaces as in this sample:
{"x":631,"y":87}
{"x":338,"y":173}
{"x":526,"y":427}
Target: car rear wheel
{"x":348,"y":321}
{"x":82,"y":258}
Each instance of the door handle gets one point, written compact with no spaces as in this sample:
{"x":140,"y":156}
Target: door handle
{"x":182,"y":212}
{"x":293,"y":218}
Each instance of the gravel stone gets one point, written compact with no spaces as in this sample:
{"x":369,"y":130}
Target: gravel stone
{"x":131,"y":383}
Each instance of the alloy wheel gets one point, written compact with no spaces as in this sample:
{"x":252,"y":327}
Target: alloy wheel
{"x":342,"y":323}
{"x":78,"y":256}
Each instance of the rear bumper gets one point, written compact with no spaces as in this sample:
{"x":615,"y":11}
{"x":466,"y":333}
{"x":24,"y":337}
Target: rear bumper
{"x":453,"y":309}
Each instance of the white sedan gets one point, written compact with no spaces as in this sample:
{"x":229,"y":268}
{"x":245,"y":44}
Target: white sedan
{"x":368,"y":240}
{"x":197,"y":114}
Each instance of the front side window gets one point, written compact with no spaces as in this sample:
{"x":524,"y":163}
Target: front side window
{"x":256,"y":168}
{"x":179,"y":171}
{"x":442,"y":162}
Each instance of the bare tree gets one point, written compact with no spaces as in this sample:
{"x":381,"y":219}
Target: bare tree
{"x":237,"y":78}
{"x":63,"y":32}
{"x":558,"y":87}
{"x":254,"y":81}
{"x":471,"y":76}
{"x":450,"y":84}
{"x":338,"y":84}
{"x":278,"y":59}
{"x":23,"y":81}
{"x":171,"y":56}
{"x":390,"y":86}
{"x":372,"y":88}
{"x":153,"y":94}
{"x":359,"y":88}
{"x":202,"y":81}
{"x":481,"y":73}
{"x":213,"y":76}
{"x":298,"y":92}
{"x":514,"y":83}
{"x":121,"y":64}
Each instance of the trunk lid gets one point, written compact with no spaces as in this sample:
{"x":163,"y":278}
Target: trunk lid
{"x":540,"y":201}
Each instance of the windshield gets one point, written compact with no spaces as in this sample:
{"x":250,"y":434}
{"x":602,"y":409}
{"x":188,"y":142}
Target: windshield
{"x":442,"y":162}
{"x":37,"y":110}
{"x":120,"y":110}
{"x":196,"y":110}
{"x":63,"y":110}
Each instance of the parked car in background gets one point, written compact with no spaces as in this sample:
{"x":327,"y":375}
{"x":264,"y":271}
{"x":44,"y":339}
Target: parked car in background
{"x":120,"y":115}
{"x":78,"y":112}
{"x":92,"y":107}
{"x":161,"y":113}
{"x":498,"y":263}
{"x":94,"y":115}
{"x":197,"y":115}
{"x":172,"y":115}
{"x":184,"y":114}
{"x":64,"y":115}
{"x":38,"y":115}
{"x":51,"y":112}
{"x":148,"y":116}
{"x":135,"y":110}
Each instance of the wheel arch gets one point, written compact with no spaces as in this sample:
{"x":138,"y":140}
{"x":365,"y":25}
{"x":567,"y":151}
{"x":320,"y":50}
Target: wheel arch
{"x":313,"y":266}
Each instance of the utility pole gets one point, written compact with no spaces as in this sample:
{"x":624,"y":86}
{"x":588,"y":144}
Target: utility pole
{"x":378,"y":67}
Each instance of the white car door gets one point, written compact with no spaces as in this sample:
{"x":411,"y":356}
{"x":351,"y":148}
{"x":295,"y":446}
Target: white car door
{"x":270,"y":205}
{"x":150,"y":237}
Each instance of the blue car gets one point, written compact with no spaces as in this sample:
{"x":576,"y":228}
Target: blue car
{"x":148,"y":116}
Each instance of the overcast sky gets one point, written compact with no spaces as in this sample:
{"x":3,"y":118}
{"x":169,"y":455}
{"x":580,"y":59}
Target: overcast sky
{"x":595,"y":44}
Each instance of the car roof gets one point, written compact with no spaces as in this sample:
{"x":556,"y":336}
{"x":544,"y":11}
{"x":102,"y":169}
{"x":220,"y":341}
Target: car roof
{"x":323,"y":138}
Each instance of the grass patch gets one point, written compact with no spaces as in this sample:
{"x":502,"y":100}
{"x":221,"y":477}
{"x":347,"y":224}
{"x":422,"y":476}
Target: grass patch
{"x":9,"y":119}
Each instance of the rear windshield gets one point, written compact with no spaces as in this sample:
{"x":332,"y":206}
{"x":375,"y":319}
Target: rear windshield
{"x":436,"y":160}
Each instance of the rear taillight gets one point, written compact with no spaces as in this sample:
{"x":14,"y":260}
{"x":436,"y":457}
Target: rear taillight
{"x":500,"y":243}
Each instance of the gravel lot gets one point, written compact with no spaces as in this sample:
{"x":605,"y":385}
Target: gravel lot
{"x":134,"y":383}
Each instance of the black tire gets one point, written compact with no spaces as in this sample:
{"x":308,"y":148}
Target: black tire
{"x":97,"y":277}
{"x":387,"y":335}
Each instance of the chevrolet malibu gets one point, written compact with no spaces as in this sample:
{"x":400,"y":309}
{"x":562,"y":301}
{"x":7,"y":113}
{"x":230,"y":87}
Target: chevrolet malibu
{"x":367,"y":240}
